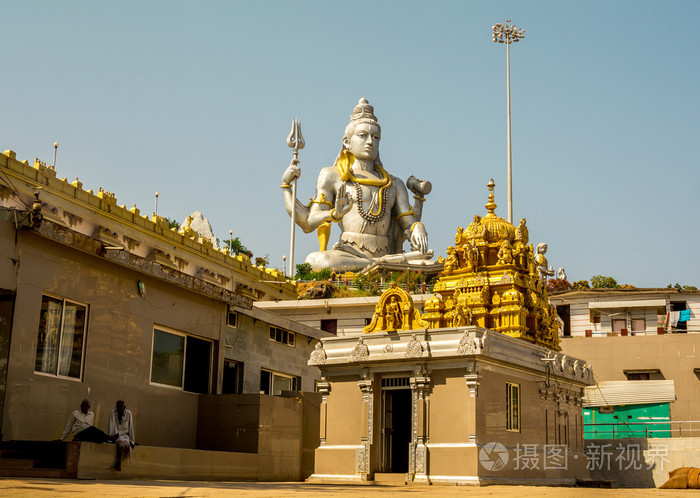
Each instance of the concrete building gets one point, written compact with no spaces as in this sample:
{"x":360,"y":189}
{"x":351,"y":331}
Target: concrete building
{"x":625,"y":336}
{"x":98,"y":301}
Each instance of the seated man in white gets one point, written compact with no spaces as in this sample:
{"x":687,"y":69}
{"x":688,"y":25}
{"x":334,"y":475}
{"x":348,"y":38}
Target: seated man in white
{"x":121,"y":426}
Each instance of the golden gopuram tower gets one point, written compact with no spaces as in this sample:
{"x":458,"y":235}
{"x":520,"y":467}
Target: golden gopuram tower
{"x":490,"y":279}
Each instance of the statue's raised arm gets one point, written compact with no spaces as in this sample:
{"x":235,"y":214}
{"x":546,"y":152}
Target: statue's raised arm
{"x":371,"y":207}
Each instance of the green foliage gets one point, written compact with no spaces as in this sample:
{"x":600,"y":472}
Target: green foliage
{"x":368,"y":286}
{"x":262,"y":261}
{"x":305,"y":272}
{"x":236,"y":247}
{"x":580,"y":284}
{"x":408,"y":280}
{"x":603,"y":282}
{"x":172,"y":224}
{"x":680,"y":287}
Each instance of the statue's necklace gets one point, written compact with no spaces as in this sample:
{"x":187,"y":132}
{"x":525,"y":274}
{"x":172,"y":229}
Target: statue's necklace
{"x":372,"y":216}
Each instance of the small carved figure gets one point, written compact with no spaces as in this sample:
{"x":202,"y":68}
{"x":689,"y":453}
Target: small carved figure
{"x":543,"y":271}
{"x":451,"y":262}
{"x":394,"y":314}
{"x":471,"y":256}
{"x":485,"y":293}
{"x":474,"y":227}
{"x":459,"y":236}
{"x":505,"y":253}
{"x":561,"y":274}
{"x":521,"y":233}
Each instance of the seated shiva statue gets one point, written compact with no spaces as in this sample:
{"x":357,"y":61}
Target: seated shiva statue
{"x":371,"y":206}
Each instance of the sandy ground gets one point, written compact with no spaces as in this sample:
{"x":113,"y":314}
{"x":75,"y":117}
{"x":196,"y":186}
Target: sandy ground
{"x":59,"y":487}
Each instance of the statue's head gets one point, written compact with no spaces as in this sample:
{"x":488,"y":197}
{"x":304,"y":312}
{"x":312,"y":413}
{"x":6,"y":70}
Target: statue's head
{"x":363,"y":133}
{"x":542,"y":248}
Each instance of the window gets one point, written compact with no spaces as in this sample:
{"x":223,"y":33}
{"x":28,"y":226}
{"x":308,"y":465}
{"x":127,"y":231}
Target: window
{"x":181,"y":361}
{"x":231,"y":317}
{"x":283,"y":336}
{"x":512,"y":407}
{"x":564,"y":312}
{"x":275,"y":382}
{"x":233,"y":377}
{"x":595,"y":316}
{"x":618,"y":324}
{"x":681,"y":327}
{"x":644,"y":374}
{"x":330,"y":325}
{"x":60,"y":345}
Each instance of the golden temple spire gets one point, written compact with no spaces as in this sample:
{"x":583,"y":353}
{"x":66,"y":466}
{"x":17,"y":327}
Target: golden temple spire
{"x":491,"y":205}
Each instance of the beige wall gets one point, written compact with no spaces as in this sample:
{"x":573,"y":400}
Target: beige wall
{"x":250,"y":344}
{"x":459,"y":424}
{"x":118,"y":345}
{"x":676,"y":355}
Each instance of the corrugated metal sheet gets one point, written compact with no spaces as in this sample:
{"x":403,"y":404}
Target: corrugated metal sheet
{"x":645,"y":303}
{"x":629,"y":392}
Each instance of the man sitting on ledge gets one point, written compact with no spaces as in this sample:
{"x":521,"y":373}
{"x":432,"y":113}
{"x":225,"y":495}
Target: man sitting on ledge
{"x":81,"y":425}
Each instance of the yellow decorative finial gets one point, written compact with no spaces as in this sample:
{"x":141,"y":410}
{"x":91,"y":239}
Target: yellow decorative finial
{"x":491,"y":205}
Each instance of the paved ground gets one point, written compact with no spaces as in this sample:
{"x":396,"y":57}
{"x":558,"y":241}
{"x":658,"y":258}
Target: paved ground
{"x":19,"y":487}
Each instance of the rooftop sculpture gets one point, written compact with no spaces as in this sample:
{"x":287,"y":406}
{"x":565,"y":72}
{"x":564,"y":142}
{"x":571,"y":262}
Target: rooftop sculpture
{"x":494,"y":278}
{"x":370,"y":206}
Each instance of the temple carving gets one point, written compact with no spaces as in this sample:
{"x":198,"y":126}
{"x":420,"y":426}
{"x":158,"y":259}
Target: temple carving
{"x":491,"y":280}
{"x":395,"y":311}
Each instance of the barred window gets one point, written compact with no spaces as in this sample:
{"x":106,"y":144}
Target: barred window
{"x":512,"y":407}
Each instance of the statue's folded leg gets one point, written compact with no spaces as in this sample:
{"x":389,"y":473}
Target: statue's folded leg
{"x":337,"y":260}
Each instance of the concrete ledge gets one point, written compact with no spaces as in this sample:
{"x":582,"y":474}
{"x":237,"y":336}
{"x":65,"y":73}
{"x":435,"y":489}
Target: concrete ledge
{"x":96,"y":461}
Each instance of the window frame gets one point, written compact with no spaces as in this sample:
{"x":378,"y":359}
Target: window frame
{"x":83,"y":350}
{"x":513,"y":413}
{"x":296,"y":381}
{"x":172,"y":331}
{"x":231,"y":312}
{"x":286,"y":337}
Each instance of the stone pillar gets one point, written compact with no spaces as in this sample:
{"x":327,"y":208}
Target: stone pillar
{"x":418,"y":452}
{"x":472,"y":378}
{"x":324,"y":387}
{"x":363,"y":462}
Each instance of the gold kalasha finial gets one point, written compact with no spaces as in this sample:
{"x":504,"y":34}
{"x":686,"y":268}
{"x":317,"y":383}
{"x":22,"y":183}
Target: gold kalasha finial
{"x":491,"y":205}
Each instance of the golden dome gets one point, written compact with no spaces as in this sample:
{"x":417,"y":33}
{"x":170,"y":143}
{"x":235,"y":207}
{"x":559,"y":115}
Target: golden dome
{"x":495,"y":229}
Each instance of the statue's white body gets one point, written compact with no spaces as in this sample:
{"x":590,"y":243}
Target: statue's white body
{"x":371,"y":207}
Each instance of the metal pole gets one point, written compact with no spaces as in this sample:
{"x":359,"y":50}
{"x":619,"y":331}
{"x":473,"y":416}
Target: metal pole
{"x":294,"y":209}
{"x":510,"y":153}
{"x":508,"y":34}
{"x":55,"y":149}
{"x":295,"y":140}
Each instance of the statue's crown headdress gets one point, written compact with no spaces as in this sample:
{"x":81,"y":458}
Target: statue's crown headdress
{"x":363,"y":113}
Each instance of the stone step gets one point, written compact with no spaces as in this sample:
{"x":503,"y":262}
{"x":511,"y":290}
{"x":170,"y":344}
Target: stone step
{"x":16,"y":463}
{"x":390,"y":478}
{"x":48,"y":473}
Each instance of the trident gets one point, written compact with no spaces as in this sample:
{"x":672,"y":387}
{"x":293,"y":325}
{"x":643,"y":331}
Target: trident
{"x":295,"y":141}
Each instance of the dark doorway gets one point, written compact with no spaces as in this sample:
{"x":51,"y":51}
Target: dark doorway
{"x":7,"y":301}
{"x":396,"y":430}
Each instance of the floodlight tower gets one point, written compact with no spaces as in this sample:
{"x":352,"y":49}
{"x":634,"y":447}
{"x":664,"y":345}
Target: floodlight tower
{"x":508,"y":34}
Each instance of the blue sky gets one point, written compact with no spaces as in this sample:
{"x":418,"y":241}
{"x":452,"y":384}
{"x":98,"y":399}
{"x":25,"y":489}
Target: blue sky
{"x":195,"y":100}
